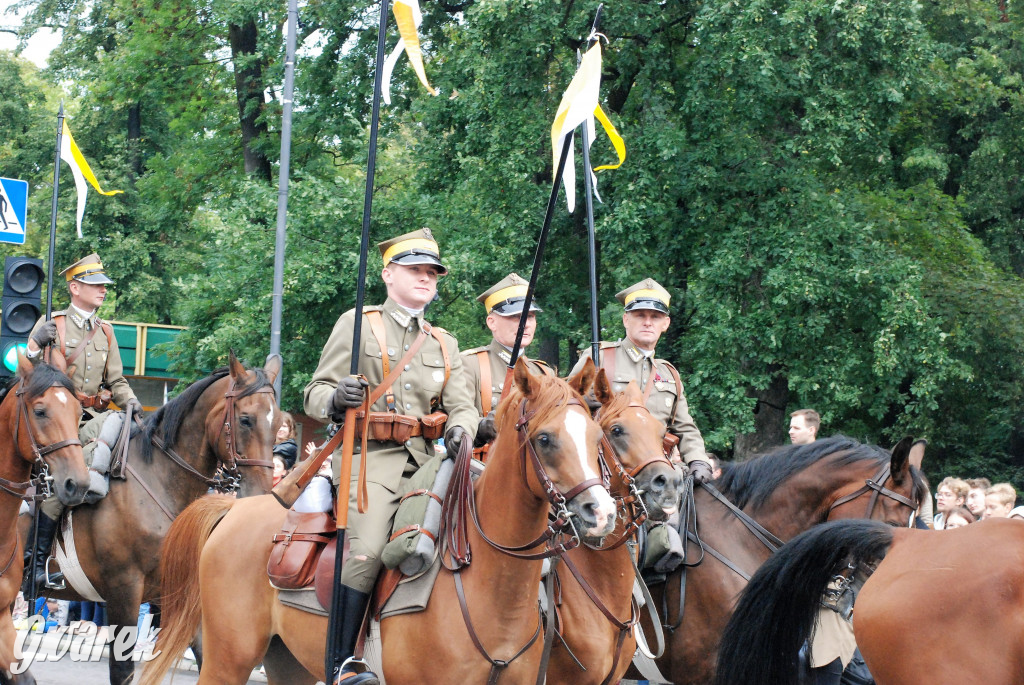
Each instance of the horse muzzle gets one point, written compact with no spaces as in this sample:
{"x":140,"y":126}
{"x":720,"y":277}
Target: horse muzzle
{"x":595,"y":510}
{"x":70,"y":490}
{"x":661,"y":486}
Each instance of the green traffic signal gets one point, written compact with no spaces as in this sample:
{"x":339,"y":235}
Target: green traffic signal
{"x":11,"y":356}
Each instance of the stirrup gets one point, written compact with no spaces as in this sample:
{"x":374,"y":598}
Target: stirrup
{"x":50,"y":585}
{"x":349,"y":675}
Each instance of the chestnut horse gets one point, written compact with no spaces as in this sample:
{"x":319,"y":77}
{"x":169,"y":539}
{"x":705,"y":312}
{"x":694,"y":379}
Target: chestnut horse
{"x":597,"y":611}
{"x":171,"y":463}
{"x":786,"y":492}
{"x":220,"y":577}
{"x":38,"y":426}
{"x":942,"y":607}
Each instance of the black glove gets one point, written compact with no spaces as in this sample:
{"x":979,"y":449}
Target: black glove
{"x":135,"y":406}
{"x":700,"y":470}
{"x":485,"y":431}
{"x":45,"y":335}
{"x":453,"y":438}
{"x":348,"y":394}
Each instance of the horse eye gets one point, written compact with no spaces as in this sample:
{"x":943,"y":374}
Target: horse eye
{"x":544,"y":440}
{"x":39,"y":411}
{"x":246,"y":421}
{"x":617,"y":431}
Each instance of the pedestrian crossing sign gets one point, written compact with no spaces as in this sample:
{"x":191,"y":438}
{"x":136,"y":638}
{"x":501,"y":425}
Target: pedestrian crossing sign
{"x":13,"y":206}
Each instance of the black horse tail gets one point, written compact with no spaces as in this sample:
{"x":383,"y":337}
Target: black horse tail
{"x":777,"y":610}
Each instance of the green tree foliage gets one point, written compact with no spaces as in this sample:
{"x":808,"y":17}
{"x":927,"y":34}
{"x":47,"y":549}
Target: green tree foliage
{"x":831,"y":192}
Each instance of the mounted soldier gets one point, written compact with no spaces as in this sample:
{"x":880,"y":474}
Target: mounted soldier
{"x":486,"y":366}
{"x":94,"y":366}
{"x":645,"y":318}
{"x":424,"y":377}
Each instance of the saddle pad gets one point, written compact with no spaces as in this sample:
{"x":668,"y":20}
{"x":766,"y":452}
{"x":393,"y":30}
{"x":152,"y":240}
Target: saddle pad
{"x":303,"y":600}
{"x":412,"y":594}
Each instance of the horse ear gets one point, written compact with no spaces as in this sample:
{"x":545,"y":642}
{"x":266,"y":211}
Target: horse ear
{"x":602,"y":388}
{"x":236,"y":368}
{"x":273,"y":367}
{"x":582,"y":380}
{"x":527,"y":383}
{"x":917,"y":452}
{"x":899,"y":466}
{"x":25,"y":366}
{"x":57,"y":361}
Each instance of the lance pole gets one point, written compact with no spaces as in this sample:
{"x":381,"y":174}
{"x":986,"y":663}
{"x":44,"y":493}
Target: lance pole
{"x":595,"y":320}
{"x":282,"y":187}
{"x":336,"y":620}
{"x":53,"y":211}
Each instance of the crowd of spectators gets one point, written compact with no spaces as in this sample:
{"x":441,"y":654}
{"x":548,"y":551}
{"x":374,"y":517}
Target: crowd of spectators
{"x":961,"y":502}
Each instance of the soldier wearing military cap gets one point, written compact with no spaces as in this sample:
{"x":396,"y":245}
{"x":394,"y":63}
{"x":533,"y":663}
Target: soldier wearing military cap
{"x":404,"y":418}
{"x":94,"y":366}
{"x":646,"y":318}
{"x":486,"y":366}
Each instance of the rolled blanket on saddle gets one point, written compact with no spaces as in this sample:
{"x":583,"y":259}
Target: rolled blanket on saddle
{"x":98,"y":455}
{"x":663,"y":547}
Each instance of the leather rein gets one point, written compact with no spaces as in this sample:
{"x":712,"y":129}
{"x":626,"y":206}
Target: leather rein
{"x":231,"y":463}
{"x":41,"y":478}
{"x":559,"y":537}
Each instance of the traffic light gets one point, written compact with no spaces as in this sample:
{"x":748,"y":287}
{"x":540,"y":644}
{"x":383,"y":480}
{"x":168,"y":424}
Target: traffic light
{"x":20,"y":308}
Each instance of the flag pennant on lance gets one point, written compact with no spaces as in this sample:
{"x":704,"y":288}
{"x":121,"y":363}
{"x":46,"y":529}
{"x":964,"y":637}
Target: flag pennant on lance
{"x":70,"y":153}
{"x":579,"y":104}
{"x":408,"y":17}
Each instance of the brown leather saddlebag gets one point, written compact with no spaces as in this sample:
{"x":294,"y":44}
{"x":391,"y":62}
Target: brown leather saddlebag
{"x":669,"y":443}
{"x":297,"y":548}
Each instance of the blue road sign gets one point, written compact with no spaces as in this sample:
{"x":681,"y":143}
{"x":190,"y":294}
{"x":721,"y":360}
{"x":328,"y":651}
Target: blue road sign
{"x":13,"y":210}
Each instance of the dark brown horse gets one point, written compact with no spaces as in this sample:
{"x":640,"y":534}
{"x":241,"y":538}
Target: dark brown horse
{"x":228,"y":419}
{"x":597,"y":611}
{"x":943,"y":607}
{"x":243,"y":622}
{"x":39,"y":418}
{"x":786,"y":492}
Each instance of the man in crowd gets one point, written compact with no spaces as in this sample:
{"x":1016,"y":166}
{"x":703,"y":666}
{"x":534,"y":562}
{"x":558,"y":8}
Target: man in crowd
{"x":94,"y":366}
{"x":803,"y":426}
{"x":976,"y":495}
{"x":486,"y":366}
{"x":646,"y":318}
{"x":999,"y":501}
{"x":422,"y":373}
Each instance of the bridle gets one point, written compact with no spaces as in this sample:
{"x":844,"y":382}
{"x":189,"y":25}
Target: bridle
{"x":41,"y":478}
{"x":633,"y":503}
{"x":876,"y":486}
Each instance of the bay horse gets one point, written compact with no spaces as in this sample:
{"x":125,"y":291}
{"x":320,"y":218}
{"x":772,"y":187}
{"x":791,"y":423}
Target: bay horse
{"x":597,"y":612}
{"x":38,"y":426}
{"x":171,"y":462}
{"x":784,"y":492}
{"x":942,"y":607}
{"x":215,"y":563}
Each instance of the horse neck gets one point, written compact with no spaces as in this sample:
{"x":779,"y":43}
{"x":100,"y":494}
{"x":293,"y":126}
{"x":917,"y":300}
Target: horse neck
{"x":510,"y":515}
{"x":12,"y":466}
{"x":803,"y":500}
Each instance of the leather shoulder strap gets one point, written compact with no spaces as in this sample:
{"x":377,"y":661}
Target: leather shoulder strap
{"x":484,"y":360}
{"x":60,"y":320}
{"x":438,"y":334}
{"x":377,"y":328}
{"x":108,"y":331}
{"x":608,"y":362}
{"x":675,"y":376}
{"x":385,"y":385}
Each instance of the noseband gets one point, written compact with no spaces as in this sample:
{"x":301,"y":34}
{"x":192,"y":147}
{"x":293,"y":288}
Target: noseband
{"x":876,"y":486}
{"x":42,"y":479}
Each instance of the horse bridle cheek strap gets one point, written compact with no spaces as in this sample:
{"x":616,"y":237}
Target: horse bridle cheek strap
{"x":876,"y":486}
{"x":234,"y":458}
{"x":20,"y":489}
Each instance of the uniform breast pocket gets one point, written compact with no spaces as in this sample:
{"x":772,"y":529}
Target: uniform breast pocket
{"x":99,"y":342}
{"x":664,"y":396}
{"x":433,"y":374}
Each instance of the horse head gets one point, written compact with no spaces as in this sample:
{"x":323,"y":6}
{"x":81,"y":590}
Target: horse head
{"x":636,"y":438}
{"x":560,"y":439}
{"x":892,"y":494}
{"x":44,"y":425}
{"x":243,"y":423}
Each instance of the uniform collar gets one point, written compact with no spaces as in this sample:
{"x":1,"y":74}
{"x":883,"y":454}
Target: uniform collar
{"x":81,"y":319}
{"x":635,"y":353}
{"x":504,"y":354}
{"x":401,"y":314}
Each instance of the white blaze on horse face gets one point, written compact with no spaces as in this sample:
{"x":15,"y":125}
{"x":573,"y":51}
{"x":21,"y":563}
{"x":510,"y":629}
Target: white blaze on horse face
{"x":576,"y":427}
{"x":61,"y":396}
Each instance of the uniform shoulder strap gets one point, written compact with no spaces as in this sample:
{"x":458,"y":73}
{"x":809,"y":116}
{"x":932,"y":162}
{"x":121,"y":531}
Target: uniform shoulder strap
{"x":484,"y":359}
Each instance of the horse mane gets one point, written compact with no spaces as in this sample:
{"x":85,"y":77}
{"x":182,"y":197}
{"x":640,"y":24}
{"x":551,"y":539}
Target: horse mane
{"x":753,"y":482}
{"x":166,"y":422}
{"x":554,"y":393}
{"x":43,"y":376}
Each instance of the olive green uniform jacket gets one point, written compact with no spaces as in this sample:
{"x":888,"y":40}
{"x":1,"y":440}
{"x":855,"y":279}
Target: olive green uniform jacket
{"x":498,"y":357}
{"x":665,"y":402}
{"x":419,"y":390}
{"x":100,"y":364}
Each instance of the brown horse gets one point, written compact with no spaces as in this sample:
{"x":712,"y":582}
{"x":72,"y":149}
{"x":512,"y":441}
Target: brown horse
{"x":38,"y":425}
{"x":785,"y":492}
{"x":171,"y":463}
{"x":597,"y":611}
{"x":542,"y":422}
{"x":942,"y":607}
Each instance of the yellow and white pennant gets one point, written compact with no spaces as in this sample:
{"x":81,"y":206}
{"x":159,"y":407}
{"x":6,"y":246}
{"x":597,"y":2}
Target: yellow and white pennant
{"x":408,"y":17}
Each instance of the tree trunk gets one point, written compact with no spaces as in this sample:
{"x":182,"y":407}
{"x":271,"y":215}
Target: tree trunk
{"x":249,"y":91}
{"x":135,"y":139}
{"x":769,"y":418}
{"x":547,"y":350}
